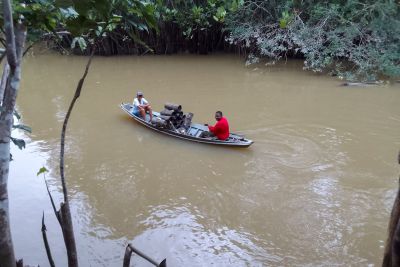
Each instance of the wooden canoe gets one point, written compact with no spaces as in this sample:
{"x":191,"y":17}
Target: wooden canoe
{"x":192,"y":134}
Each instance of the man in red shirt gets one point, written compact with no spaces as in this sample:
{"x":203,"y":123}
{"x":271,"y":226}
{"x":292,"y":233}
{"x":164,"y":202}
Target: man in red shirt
{"x":220,"y":129}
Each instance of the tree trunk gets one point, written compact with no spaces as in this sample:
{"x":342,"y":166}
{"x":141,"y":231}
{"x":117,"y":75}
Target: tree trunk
{"x":4,"y":77}
{"x":15,"y":43}
{"x":391,"y":255}
{"x":68,"y":234}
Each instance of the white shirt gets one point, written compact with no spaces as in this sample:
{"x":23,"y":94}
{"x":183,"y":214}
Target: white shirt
{"x":136,"y":104}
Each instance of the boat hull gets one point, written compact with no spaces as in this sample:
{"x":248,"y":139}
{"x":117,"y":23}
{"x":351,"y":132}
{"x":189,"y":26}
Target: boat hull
{"x":192,"y":134}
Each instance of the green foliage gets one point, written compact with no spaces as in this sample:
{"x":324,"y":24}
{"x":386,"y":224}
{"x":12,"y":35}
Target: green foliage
{"x":20,"y":143}
{"x":16,"y":114}
{"x":192,"y":17}
{"x":42,"y":170}
{"x":220,"y":15}
{"x":85,"y":20}
{"x":90,"y":20}
{"x":285,"y":19}
{"x":352,"y":38}
{"x":22,"y":127}
{"x":81,"y":42}
{"x":39,"y":16}
{"x":358,"y":40}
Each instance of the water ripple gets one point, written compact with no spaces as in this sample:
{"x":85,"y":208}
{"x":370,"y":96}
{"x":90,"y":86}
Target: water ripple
{"x":180,"y":235}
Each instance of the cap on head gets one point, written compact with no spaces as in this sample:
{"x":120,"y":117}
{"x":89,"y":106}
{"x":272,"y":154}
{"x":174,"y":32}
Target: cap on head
{"x":139,"y":94}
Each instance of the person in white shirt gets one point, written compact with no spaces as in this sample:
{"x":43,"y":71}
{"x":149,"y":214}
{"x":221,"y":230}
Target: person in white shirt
{"x":141,"y":106}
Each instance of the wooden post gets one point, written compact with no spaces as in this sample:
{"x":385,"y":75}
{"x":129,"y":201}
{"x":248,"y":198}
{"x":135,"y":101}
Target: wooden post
{"x":128,"y":254}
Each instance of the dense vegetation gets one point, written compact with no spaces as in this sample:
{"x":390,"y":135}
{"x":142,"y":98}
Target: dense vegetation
{"x":356,"y":39}
{"x":194,"y":26}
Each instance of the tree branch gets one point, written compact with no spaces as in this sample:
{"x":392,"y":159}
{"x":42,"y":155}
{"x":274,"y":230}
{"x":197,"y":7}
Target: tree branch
{"x":64,"y":128}
{"x":27,"y":49}
{"x":391,"y":255}
{"x":64,"y":213}
{"x":3,"y":42}
{"x":9,"y":32}
{"x":46,"y":243}
{"x":20,"y":37}
{"x":56,"y":213}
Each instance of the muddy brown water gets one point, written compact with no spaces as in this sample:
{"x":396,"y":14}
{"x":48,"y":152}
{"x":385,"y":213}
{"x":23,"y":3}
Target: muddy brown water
{"x":315,"y":189}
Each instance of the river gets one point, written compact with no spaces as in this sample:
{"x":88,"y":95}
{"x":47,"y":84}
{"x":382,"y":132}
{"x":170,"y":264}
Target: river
{"x":315,"y":189}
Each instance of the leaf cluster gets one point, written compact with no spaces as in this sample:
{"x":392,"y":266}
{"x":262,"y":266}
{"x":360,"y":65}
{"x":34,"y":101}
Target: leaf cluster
{"x":90,"y":20}
{"x":358,"y":40}
{"x":195,"y":16}
{"x":20,"y":143}
{"x":85,"y":20}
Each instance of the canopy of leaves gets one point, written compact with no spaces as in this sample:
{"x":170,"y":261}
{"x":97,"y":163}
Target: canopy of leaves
{"x":191,"y":16}
{"x":356,"y":39}
{"x":85,"y":20}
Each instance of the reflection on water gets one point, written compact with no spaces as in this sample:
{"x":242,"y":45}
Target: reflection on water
{"x":181,"y":230}
{"x":315,"y":188}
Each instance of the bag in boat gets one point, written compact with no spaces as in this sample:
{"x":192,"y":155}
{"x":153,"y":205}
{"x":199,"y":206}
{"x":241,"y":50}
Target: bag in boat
{"x":171,"y":106}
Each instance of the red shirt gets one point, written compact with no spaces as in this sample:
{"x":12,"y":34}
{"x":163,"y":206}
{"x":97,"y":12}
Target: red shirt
{"x":220,"y":129}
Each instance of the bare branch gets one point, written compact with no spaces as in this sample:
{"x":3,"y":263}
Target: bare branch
{"x":64,"y":128}
{"x":65,"y":212}
{"x":46,"y":243}
{"x":27,"y":49}
{"x":52,"y":201}
{"x":3,"y":42}
{"x":56,"y":33}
